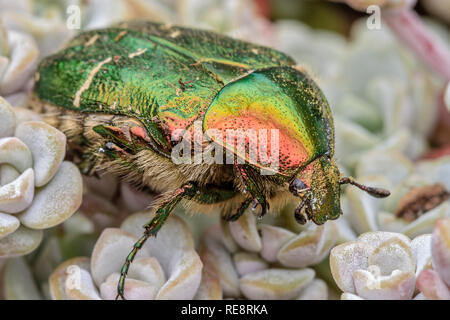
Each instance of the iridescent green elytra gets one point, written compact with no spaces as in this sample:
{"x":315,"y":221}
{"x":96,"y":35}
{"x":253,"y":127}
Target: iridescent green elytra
{"x":120,"y":94}
{"x":142,"y":68}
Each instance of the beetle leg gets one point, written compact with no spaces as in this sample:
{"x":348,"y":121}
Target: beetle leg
{"x":304,"y":212}
{"x":244,"y":205}
{"x":299,"y":216}
{"x":309,"y":212}
{"x":90,"y":160}
{"x":188,"y":190}
{"x":253,"y":188}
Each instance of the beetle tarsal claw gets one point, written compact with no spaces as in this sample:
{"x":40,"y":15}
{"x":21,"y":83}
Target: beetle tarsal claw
{"x":240,"y":211}
{"x":374,"y":192}
{"x":264,"y":207}
{"x":299,"y":214}
{"x":121,"y":296}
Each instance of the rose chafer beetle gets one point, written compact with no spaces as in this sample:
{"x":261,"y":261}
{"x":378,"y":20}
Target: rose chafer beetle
{"x":120,"y":94}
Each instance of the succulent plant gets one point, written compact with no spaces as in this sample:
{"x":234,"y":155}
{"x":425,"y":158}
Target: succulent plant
{"x":380,"y":265}
{"x":387,"y":265}
{"x":105,"y":204}
{"x":18,"y":59}
{"x":264,"y":261}
{"x":47,"y":21}
{"x":420,"y":194}
{"x":167,"y":268}
{"x":38,"y":190}
{"x":434,"y":282}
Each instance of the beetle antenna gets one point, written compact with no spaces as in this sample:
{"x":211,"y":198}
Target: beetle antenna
{"x":374,"y":192}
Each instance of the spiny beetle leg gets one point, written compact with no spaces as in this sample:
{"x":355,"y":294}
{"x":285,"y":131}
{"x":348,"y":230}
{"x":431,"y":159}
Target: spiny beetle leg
{"x":264,"y":207}
{"x":244,"y":205}
{"x":299,"y":217}
{"x":252,"y":187}
{"x":188,"y":190}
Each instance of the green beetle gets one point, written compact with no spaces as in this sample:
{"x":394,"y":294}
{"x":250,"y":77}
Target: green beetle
{"x":129,"y":96}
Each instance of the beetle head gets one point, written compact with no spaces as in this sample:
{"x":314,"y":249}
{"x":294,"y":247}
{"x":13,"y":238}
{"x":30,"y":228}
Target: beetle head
{"x":319,"y":188}
{"x":318,"y":185}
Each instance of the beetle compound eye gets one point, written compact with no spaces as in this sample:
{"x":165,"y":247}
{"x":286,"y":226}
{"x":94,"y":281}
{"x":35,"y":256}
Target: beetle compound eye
{"x":374,"y":192}
{"x":297,"y":186}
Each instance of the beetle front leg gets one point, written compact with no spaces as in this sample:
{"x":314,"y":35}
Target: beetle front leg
{"x":252,"y":187}
{"x":188,"y":190}
{"x":240,"y":211}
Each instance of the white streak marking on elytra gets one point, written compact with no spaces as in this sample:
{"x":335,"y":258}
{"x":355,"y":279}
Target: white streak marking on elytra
{"x":87,"y":83}
{"x":137,"y":53}
{"x":91,"y":41}
{"x":175,"y":34}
